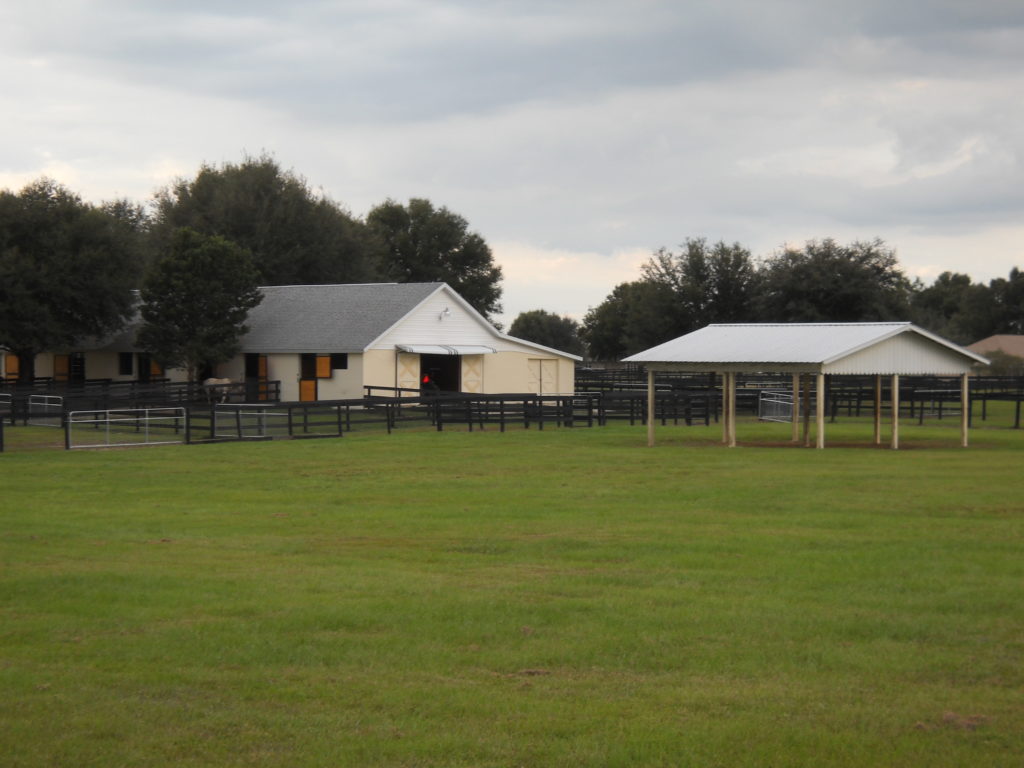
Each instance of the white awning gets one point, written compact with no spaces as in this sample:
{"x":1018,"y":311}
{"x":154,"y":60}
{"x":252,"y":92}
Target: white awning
{"x":445,"y":349}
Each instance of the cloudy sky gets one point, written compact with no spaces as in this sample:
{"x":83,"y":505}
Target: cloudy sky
{"x":576,"y":136}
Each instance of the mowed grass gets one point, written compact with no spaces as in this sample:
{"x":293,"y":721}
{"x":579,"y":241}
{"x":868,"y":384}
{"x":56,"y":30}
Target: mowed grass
{"x":556,"y":598}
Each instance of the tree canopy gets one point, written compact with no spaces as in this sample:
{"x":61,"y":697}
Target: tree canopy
{"x":67,"y":270}
{"x":427,"y":244}
{"x":549,"y":329}
{"x":828,"y":282}
{"x":195,"y":301}
{"x":294,"y":235}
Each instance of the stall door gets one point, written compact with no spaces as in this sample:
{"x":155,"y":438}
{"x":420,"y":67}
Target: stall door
{"x":543,"y":376}
{"x":61,"y":368}
{"x":11,"y":367}
{"x":408,"y":371}
{"x":256,"y":378}
{"x":472,"y":373}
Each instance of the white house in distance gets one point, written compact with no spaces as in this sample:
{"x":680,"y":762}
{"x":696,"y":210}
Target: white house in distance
{"x":327,"y":342}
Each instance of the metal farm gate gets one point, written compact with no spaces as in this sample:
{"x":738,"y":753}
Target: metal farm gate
{"x":127,"y":427}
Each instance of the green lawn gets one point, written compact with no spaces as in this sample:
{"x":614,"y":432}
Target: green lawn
{"x":556,"y":598}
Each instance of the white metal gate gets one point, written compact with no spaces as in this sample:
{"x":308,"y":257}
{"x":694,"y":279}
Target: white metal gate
{"x":45,"y":410}
{"x":125,"y":427}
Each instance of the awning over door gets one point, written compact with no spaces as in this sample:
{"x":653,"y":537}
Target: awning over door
{"x":445,"y":349}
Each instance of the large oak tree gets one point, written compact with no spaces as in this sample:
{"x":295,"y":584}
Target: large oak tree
{"x":195,"y":301}
{"x":67,"y":270}
{"x":295,"y":235}
{"x":427,"y":244}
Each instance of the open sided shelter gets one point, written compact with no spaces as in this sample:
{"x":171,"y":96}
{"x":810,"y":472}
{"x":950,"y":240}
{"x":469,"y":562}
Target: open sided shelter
{"x":811,"y":349}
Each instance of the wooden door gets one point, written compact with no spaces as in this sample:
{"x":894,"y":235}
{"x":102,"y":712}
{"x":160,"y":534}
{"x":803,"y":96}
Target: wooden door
{"x":11,"y":366}
{"x":307,"y":390}
{"x":61,"y":368}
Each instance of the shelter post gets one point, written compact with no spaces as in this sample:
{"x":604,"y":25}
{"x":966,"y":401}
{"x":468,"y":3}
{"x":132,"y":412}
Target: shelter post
{"x":650,"y":408}
{"x":895,"y":398}
{"x":732,"y":410}
{"x":725,"y":407}
{"x":795,"y":415}
{"x":965,"y":409}
{"x":820,"y":412}
{"x":878,"y":409}
{"x":807,"y":412}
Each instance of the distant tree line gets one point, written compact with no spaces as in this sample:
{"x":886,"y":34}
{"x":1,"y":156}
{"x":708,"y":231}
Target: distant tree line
{"x":823,"y":281}
{"x":71,"y":270}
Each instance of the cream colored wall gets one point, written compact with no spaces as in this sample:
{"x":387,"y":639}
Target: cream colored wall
{"x":379,"y":368}
{"x":104,"y":365}
{"x":510,"y":372}
{"x":285,"y":368}
{"x":44,"y":365}
{"x":344,"y":384}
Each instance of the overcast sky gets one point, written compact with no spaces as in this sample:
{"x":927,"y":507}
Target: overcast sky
{"x":576,"y":137}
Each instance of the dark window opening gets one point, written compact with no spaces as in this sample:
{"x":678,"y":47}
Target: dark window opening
{"x":76,"y":368}
{"x":339,"y":361}
{"x":125,"y":363}
{"x":307,"y":366}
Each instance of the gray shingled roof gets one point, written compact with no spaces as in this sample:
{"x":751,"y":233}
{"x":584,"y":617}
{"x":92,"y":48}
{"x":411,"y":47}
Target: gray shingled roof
{"x":340,"y":318}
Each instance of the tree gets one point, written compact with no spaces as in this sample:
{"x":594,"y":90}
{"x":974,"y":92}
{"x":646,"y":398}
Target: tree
{"x":424,"y":244}
{"x":295,"y":237}
{"x":712,"y":284}
{"x":635,"y":316}
{"x":955,"y":308}
{"x":195,"y":301}
{"x":549,"y":329}
{"x":1008,"y":297}
{"x":67,"y":270}
{"x":829,"y":282}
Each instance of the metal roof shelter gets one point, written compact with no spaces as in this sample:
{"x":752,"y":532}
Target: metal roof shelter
{"x":811,"y":349}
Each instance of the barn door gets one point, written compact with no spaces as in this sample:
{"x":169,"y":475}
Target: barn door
{"x":11,"y":367}
{"x":256,"y":378}
{"x":61,"y":368}
{"x":408,"y":371}
{"x":307,"y":378}
{"x":472,"y":373}
{"x":543,"y":376}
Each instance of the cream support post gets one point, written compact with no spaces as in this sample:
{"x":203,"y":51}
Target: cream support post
{"x":725,"y":408}
{"x":820,"y":412}
{"x":650,"y":409}
{"x":795,"y":416}
{"x":732,"y":410}
{"x":878,"y":409}
{"x":895,"y":411}
{"x":965,"y":409}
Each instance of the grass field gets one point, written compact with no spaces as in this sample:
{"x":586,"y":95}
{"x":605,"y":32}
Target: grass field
{"x":556,"y":598}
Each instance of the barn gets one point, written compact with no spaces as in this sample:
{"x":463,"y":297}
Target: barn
{"x":325,"y":342}
{"x":814,"y":351}
{"x":328,"y":342}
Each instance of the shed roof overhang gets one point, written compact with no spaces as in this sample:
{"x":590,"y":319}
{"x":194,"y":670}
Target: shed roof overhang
{"x":445,"y":349}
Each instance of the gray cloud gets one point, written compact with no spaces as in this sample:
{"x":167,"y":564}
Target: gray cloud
{"x":587,"y":127}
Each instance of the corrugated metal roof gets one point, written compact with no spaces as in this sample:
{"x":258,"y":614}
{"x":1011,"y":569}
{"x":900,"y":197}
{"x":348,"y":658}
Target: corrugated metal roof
{"x":343,"y":318}
{"x":787,"y":344}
